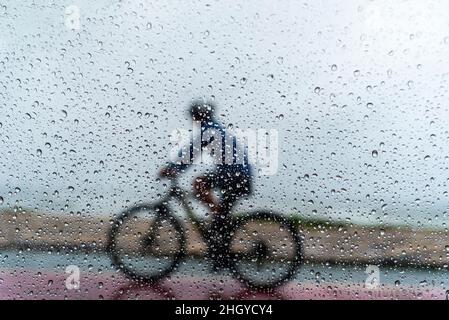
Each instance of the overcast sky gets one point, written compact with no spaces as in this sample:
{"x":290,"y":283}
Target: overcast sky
{"x":358,"y":91}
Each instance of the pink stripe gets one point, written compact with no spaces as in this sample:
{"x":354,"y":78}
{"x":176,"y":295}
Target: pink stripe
{"x":34,"y":285}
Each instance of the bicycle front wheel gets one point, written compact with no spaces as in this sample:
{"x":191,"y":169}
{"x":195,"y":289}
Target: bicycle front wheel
{"x":265,"y":250}
{"x":146,"y":242}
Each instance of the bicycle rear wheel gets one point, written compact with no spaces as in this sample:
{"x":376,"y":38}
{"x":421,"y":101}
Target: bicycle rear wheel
{"x":265,"y":250}
{"x":146,"y":242}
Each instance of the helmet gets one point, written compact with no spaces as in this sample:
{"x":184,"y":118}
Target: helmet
{"x":202,"y":110}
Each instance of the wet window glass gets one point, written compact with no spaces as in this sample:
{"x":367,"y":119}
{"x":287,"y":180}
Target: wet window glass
{"x":224,"y":149}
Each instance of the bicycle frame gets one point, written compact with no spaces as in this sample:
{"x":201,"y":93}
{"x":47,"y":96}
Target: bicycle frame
{"x":219,"y":245}
{"x":182,"y":195}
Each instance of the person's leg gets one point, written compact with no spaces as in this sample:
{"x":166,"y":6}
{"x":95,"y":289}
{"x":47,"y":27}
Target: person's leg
{"x":230,"y":190}
{"x":203,"y":190}
{"x":229,"y":184}
{"x":219,"y":235}
{"x":220,"y":207}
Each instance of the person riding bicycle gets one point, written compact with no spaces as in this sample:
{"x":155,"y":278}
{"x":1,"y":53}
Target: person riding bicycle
{"x":231,"y":177}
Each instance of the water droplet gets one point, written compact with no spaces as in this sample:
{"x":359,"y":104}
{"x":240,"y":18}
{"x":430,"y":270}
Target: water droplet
{"x":423,"y":283}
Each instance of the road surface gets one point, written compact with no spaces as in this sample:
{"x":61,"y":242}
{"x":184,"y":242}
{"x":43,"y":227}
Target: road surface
{"x":42,"y":275}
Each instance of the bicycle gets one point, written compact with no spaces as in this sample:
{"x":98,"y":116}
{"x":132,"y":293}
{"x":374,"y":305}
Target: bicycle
{"x":148,"y":242}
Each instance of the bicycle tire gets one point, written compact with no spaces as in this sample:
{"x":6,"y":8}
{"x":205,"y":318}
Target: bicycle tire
{"x":161,"y":212}
{"x":297,"y":259}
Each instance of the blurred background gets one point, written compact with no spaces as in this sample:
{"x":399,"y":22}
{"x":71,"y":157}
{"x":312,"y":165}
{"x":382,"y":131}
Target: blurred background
{"x":90,"y":92}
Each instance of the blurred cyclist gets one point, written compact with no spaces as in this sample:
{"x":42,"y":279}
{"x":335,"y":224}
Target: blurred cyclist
{"x":231,"y":176}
